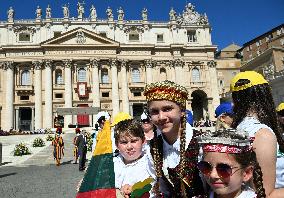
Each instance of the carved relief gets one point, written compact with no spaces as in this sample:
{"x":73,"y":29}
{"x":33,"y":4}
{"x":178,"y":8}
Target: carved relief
{"x":178,"y":63}
{"x":94,"y":63}
{"x":190,"y":16}
{"x":48,"y":63}
{"x":7,"y":65}
{"x":80,"y":37}
{"x":28,"y":29}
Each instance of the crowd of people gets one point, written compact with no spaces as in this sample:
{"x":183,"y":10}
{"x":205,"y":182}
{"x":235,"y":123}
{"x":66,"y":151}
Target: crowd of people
{"x":242,"y":158}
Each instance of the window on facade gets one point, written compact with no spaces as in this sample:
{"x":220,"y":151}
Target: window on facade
{"x":160,"y":38}
{"x":58,"y":95}
{"x":82,"y":75}
{"x":26,"y":78}
{"x":105,"y":94}
{"x":257,"y":44}
{"x":56,"y":34}
{"x":134,"y":37}
{"x":135,"y":75}
{"x":58,"y":77}
{"x":104,"y":76}
{"x":24,"y":97}
{"x":137,"y":94}
{"x":163,"y":74}
{"x":103,"y":34}
{"x":195,"y":75}
{"x":191,"y":36}
{"x":25,"y":37}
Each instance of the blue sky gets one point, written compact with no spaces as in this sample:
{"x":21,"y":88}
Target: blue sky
{"x":235,"y":21}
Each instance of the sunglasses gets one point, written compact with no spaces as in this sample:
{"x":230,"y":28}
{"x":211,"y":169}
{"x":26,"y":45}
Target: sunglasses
{"x":145,"y":121}
{"x":223,"y":170}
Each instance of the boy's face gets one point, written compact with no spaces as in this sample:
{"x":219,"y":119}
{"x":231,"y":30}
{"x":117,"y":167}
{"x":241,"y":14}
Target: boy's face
{"x":130,"y":147}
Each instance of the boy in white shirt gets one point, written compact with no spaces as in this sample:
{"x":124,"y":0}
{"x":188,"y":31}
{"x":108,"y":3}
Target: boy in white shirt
{"x":132,"y":164}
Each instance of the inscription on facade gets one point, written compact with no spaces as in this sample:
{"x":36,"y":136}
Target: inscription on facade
{"x":11,"y":54}
{"x":81,"y":52}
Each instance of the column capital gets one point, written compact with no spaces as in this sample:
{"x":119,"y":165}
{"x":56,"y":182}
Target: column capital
{"x":94,"y":63}
{"x":48,"y":63}
{"x":178,"y":62}
{"x":123,"y":62}
{"x":7,"y":65}
{"x":67,"y":63}
{"x":113,"y":62}
{"x":148,"y":63}
{"x":212,"y":64}
{"x":37,"y":65}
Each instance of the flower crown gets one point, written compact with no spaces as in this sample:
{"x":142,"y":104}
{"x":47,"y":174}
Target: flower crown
{"x":225,"y":141}
{"x":166,"y":90}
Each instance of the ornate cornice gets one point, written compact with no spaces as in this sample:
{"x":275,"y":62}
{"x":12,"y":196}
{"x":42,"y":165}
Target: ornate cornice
{"x":20,"y":28}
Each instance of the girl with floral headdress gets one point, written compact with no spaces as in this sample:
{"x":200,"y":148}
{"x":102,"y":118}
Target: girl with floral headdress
{"x":254,"y":112}
{"x":174,"y":148}
{"x":228,"y":164}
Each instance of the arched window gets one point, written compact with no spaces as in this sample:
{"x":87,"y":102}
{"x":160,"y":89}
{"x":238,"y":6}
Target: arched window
{"x":25,"y":78}
{"x":58,"y":77}
{"x":163,"y":74}
{"x":135,"y":75}
{"x":195,"y":75}
{"x":82,"y":76}
{"x":104,"y":76}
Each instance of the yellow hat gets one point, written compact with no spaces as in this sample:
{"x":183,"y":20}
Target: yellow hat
{"x":120,"y":117}
{"x":280,"y":107}
{"x":253,"y":77}
{"x":166,"y":90}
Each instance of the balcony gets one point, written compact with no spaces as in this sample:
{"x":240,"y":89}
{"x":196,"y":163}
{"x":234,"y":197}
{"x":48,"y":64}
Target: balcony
{"x":24,"y":89}
{"x":197,"y":84}
{"x":105,"y":85}
{"x":58,"y":86}
{"x":136,"y":86}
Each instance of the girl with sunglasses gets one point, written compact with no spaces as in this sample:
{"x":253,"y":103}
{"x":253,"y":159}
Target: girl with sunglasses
{"x":174,"y":148}
{"x":228,"y":165}
{"x":254,"y":111}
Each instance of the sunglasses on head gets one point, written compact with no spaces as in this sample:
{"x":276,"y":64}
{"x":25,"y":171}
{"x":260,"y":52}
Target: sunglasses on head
{"x":223,"y":170}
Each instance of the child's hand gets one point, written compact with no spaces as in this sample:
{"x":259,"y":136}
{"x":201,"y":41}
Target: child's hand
{"x":126,"y":190}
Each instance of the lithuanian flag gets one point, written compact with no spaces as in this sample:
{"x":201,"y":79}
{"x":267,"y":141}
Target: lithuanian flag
{"x":99,"y":180}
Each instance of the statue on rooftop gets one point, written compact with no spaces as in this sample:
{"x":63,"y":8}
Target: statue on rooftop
{"x":48,"y":12}
{"x":109,"y":14}
{"x":10,"y":14}
{"x":145,"y":14}
{"x":172,"y":14}
{"x":38,"y":12}
{"x":65,"y":11}
{"x":120,"y":14}
{"x":93,"y":13}
{"x":80,"y":10}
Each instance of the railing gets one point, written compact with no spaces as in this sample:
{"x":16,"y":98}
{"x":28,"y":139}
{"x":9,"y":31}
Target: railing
{"x":24,"y":88}
{"x":197,"y":84}
{"x":58,"y":86}
{"x":136,"y":84}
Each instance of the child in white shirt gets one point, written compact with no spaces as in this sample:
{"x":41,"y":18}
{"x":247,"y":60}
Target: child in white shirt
{"x":132,"y":164}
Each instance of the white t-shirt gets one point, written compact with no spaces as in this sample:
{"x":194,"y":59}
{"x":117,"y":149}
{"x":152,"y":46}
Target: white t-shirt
{"x":132,"y":173}
{"x":252,"y":125}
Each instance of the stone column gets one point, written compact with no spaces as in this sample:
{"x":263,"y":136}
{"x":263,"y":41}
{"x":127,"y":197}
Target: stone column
{"x":114,"y":86}
{"x":38,"y":97}
{"x":9,"y":120}
{"x":214,"y":86}
{"x":211,"y":109}
{"x":171,"y":65}
{"x":149,"y":72}
{"x":17,"y":119}
{"x":124,"y":87}
{"x":96,"y":83}
{"x":96,"y":86}
{"x":33,"y":119}
{"x":68,"y":91}
{"x":48,"y":95}
{"x":178,"y":63}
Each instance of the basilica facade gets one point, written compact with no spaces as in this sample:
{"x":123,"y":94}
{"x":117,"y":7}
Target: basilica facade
{"x":49,"y":63}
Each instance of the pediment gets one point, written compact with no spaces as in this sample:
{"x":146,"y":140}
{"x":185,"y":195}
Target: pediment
{"x":79,"y":37}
